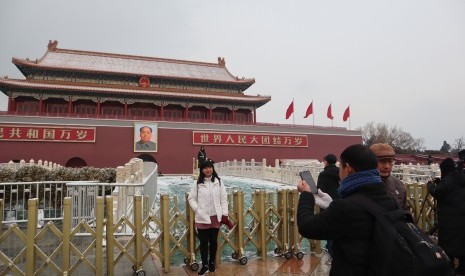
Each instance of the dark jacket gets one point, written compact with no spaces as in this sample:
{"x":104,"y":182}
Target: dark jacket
{"x":450,"y":195}
{"x":201,"y":157}
{"x":328,"y":180}
{"x":396,"y":189}
{"x":348,"y":225}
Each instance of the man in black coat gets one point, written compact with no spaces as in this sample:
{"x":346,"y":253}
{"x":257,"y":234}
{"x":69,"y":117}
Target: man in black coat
{"x":347,"y":224}
{"x":201,"y":156}
{"x":328,"y":182}
{"x":328,"y":179}
{"x":450,"y":195}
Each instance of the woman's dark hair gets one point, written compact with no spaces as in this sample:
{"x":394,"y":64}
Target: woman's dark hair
{"x":359,"y":157}
{"x":205,"y":164}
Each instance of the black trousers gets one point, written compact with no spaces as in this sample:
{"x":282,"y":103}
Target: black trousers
{"x":208,"y":244}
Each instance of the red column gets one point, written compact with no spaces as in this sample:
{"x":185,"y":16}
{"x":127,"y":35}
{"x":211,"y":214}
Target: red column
{"x":254,"y":115}
{"x":125,"y":109}
{"x":70,"y":106}
{"x":98,"y":107}
{"x":41,"y":102}
{"x":10,"y":101}
{"x":162,"y":111}
{"x":210,"y":117}
{"x":233,"y":115}
{"x":187,"y":112}
{"x":14,"y":105}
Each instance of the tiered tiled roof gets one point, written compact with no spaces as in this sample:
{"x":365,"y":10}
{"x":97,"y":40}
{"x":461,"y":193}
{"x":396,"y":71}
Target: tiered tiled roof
{"x":69,"y":62}
{"x":95,"y":62}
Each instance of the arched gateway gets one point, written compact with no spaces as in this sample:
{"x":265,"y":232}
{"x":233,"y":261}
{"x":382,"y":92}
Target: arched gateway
{"x":76,"y":162}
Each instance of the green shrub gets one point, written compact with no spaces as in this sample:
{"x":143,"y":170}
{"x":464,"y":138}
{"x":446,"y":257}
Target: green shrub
{"x":37,"y":173}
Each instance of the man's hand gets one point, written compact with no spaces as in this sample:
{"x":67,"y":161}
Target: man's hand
{"x":302,"y":186}
{"x":322,"y":199}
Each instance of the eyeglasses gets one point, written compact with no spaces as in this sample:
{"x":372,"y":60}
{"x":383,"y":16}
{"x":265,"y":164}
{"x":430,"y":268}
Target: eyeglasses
{"x":390,"y":161}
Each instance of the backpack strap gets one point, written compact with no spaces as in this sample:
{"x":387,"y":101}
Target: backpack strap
{"x":376,"y":210}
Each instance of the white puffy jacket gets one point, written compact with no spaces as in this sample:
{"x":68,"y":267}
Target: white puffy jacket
{"x":201,"y":202}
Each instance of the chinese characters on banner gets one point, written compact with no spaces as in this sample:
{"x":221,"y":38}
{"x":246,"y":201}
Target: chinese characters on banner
{"x":248,"y":139}
{"x":47,"y":133}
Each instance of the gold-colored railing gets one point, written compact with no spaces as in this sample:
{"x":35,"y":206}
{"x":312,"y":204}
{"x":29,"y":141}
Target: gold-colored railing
{"x":270,"y":221}
{"x":422,"y":206}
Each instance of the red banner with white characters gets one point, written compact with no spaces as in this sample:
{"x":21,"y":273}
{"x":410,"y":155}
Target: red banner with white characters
{"x":47,"y":133}
{"x":249,"y":139}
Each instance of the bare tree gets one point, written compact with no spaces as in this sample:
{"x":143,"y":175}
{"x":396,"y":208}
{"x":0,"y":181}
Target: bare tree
{"x":458,"y":145}
{"x":401,"y":141}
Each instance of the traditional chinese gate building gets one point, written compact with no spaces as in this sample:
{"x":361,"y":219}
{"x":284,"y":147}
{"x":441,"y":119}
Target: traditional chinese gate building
{"x":84,"y":108}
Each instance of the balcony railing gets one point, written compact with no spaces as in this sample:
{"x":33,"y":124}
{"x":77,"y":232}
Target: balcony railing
{"x":164,"y":119}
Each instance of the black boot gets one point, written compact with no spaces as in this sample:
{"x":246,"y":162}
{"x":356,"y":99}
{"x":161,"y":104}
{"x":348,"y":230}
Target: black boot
{"x":211,"y":266}
{"x":203,"y":270}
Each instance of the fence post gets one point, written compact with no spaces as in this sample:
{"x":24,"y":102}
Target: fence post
{"x":191,"y":235}
{"x":417,"y":202}
{"x":1,"y":215}
{"x":261,"y":234}
{"x":424,"y":195}
{"x":165,"y":221}
{"x":138,"y":230}
{"x":110,"y":244}
{"x":238,"y":200}
{"x":294,"y":242}
{"x":31,"y":234}
{"x":282,"y":210}
{"x":99,"y":236}
{"x":65,"y":249}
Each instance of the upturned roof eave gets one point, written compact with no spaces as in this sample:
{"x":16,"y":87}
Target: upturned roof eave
{"x":132,"y":91}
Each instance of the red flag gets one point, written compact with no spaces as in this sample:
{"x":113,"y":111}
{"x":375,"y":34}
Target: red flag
{"x":290,"y":110}
{"x":309,"y":110}
{"x":346,"y":114}
{"x":329,"y":113}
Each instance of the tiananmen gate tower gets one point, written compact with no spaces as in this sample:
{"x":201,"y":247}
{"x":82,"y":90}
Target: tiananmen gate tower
{"x":84,"y":108}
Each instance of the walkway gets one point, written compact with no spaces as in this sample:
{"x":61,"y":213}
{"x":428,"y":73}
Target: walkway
{"x":276,"y":266}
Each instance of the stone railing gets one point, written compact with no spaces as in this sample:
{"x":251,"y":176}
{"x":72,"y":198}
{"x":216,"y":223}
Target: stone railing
{"x":288,"y":172}
{"x":133,"y":179}
{"x":44,"y":164}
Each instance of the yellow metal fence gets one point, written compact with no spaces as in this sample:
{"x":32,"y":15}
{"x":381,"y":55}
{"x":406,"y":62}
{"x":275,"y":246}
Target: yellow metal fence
{"x":270,"y":221}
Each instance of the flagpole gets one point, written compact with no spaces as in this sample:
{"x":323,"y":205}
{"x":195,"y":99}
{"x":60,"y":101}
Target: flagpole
{"x":332,"y":117}
{"x":349,"y":116}
{"x":293,"y":113}
{"x":313,"y":115}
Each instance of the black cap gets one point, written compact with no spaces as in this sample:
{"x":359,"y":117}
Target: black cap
{"x":330,"y":158}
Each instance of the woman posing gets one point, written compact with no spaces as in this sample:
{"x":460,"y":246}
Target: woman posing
{"x":209,"y":201}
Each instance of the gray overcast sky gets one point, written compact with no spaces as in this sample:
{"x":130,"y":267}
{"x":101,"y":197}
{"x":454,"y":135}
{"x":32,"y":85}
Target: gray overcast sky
{"x":399,"y":62}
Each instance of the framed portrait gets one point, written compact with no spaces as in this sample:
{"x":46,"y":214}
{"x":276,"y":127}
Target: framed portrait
{"x":145,"y":137}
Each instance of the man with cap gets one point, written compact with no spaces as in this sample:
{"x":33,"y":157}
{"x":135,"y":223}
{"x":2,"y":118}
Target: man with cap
{"x":394,"y":187}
